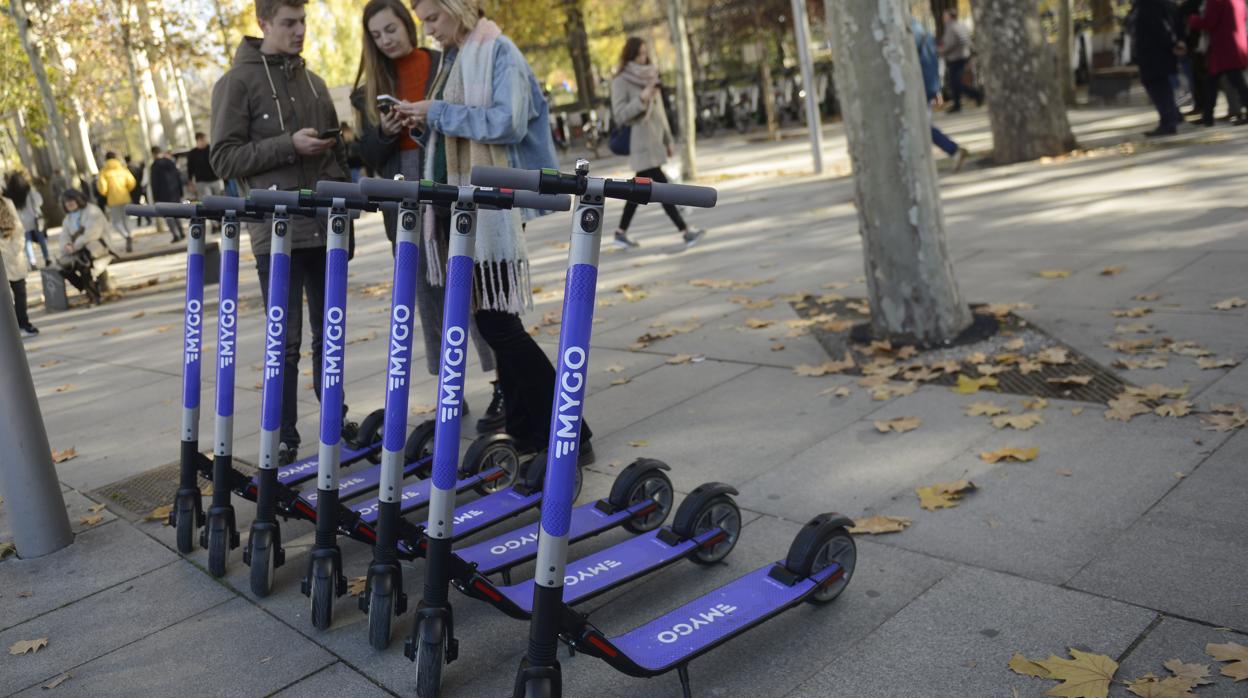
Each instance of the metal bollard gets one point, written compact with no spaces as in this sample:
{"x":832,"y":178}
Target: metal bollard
{"x":32,"y":495}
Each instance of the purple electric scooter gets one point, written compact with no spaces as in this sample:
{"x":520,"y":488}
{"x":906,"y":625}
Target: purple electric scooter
{"x":817,"y":568}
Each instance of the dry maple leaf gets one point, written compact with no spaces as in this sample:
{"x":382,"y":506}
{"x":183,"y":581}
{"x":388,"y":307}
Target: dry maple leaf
{"x":49,"y":363}
{"x":967,"y":386}
{"x":985,"y":409}
{"x":680,"y":359}
{"x":1137,"y":312}
{"x":62,"y":456}
{"x":758,"y":323}
{"x":1149,"y":686}
{"x":1229,"y":303}
{"x":842,"y":391}
{"x":777,"y":347}
{"x":1178,"y":408}
{"x":990,"y":370}
{"x":159,"y":513}
{"x":110,"y":332}
{"x":57,"y":681}
{"x":1054,"y":273}
{"x":96,"y":508}
{"x":880,"y":524}
{"x":1113,"y":271}
{"x":897,"y":424}
{"x":7,"y":549}
{"x":1234,"y":653}
{"x":1131,"y":346}
{"x":1017,"y":455}
{"x":1022,"y":665}
{"x":1197,"y":674}
{"x":1226,"y":407}
{"x":943,"y":495}
{"x":887,"y":392}
{"x":1070,"y":380}
{"x":1053,"y":355}
{"x":639,"y":443}
{"x":621,"y":381}
{"x":1022,"y":422}
{"x":1087,"y":675}
{"x":31,"y":646}
{"x":826,"y":367}
{"x":65,"y":388}
{"x":921,"y":373}
{"x":90,"y":520}
{"x":1156,"y":391}
{"x":1124,"y":407}
{"x":1027,"y":367}
{"x":1207,"y":363}
{"x":1076,"y":411}
{"x":1038,"y":403}
{"x":1133,"y":327}
{"x":1015,"y":344}
{"x":906,"y":352}
{"x":1065,"y":472}
{"x":356,"y":585}
{"x":615,"y":368}
{"x":1151,"y":362}
{"x":1002,"y":309}
{"x":977,"y":357}
{"x":1146,"y":297}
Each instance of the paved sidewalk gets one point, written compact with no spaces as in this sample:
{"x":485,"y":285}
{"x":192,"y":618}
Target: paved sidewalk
{"x":1127,"y":539}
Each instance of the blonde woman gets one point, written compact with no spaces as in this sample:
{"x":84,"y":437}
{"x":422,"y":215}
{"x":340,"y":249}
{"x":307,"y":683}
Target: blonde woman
{"x":12,"y":242}
{"x":636,"y":103}
{"x":488,"y":109}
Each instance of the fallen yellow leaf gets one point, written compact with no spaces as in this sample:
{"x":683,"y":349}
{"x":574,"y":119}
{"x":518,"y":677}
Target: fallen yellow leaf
{"x":1178,"y":408}
{"x":110,"y":332}
{"x":758,"y":323}
{"x":159,"y":513}
{"x":31,"y":646}
{"x":615,"y":368}
{"x":680,"y":359}
{"x":880,"y":524}
{"x":1026,"y":667}
{"x":1136,"y":312}
{"x":985,"y":409}
{"x":1087,"y":675}
{"x":1018,"y":455}
{"x":1150,"y":686}
{"x":990,"y":370}
{"x":1206,"y":363}
{"x":57,"y":681}
{"x":621,"y":381}
{"x":967,"y":386}
{"x":1146,"y":297}
{"x":1151,"y":362}
{"x":943,"y":495}
{"x":1022,"y":422}
{"x":96,"y":508}
{"x":1053,"y":355}
{"x":62,"y":456}
{"x":1054,"y":273}
{"x":1027,"y":367}
{"x":1229,"y":303}
{"x":899,"y":425}
{"x":90,"y":520}
{"x":356,"y":585}
{"x":1070,"y":380}
{"x":842,"y":391}
{"x":1124,"y":407}
{"x":1038,"y":403}
{"x":777,"y":347}
{"x":65,"y":388}
{"x":826,"y":367}
{"x":6,"y":549}
{"x":1156,"y":391}
{"x":1197,"y":674}
{"x":1234,"y":653}
{"x":1113,"y":271}
{"x":1133,"y":327}
{"x":639,"y":443}
{"x":1015,"y":344}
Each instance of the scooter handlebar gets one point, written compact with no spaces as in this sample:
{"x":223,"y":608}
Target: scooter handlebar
{"x":140,"y":211}
{"x":221,"y":204}
{"x":274,"y":197}
{"x":507,"y":178}
{"x":338,"y":190}
{"x":379,"y":188}
{"x":176,"y":210}
{"x":546,"y":202}
{"x":683,"y":195}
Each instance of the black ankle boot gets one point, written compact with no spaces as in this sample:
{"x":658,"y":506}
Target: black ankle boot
{"x":495,"y":417}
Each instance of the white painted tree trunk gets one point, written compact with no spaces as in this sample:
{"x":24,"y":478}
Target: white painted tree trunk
{"x":914,"y":295}
{"x":687,"y":105}
{"x":1025,"y":104}
{"x":60,"y":145}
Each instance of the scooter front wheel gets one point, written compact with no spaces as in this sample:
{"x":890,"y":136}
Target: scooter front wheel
{"x":380,"y":613}
{"x":322,"y":601}
{"x":429,"y":661}
{"x":184,"y":518}
{"x":263,"y":557}
{"x":218,"y":546}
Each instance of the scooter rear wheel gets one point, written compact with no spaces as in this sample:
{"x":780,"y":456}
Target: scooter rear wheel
{"x":700,"y":513}
{"x":185,"y":520}
{"x":369,"y":433}
{"x":380,"y":613}
{"x":420,"y":444}
{"x":644,"y":480}
{"x":815,"y":549}
{"x":428,"y":668}
{"x":492,"y":451}
{"x":322,"y":602}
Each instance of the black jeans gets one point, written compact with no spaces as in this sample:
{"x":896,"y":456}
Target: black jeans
{"x":78,"y":275}
{"x":955,"y":69}
{"x":1237,"y":83}
{"x":526,"y":376}
{"x":19,"y":302}
{"x":655,"y":173}
{"x":1161,"y":92}
{"x":307,"y":275}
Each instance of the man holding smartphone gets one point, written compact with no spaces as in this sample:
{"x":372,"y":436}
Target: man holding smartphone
{"x":269,"y":113}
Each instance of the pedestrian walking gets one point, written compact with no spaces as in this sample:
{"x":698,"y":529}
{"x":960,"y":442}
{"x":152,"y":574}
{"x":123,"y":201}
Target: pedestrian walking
{"x":929,"y":63}
{"x":115,"y":184}
{"x":489,"y":110}
{"x":29,"y":203}
{"x":636,"y":104}
{"x":1223,"y":21}
{"x":266,"y":113}
{"x":202,"y":179}
{"x":12,"y":242}
{"x":955,"y":46}
{"x":83,"y":253}
{"x":1158,"y":40}
{"x":393,"y":63}
{"x":167,"y":187}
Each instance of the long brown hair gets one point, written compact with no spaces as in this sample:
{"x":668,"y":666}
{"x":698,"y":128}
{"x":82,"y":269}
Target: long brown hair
{"x":376,"y":70}
{"x":628,"y":54}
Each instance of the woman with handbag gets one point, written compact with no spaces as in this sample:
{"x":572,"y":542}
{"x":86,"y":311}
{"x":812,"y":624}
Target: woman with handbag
{"x":84,"y":253}
{"x":637,"y":105}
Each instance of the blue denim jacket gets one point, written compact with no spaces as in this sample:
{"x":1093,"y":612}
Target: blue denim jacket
{"x":929,"y":61}
{"x":524,"y":129}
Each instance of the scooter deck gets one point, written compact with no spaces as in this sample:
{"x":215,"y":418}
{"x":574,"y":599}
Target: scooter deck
{"x":304,"y":469}
{"x":678,"y":636}
{"x":604,"y":570}
{"x":356,"y":484}
{"x":478,"y":515}
{"x":519,"y":546}
{"x":418,"y":494}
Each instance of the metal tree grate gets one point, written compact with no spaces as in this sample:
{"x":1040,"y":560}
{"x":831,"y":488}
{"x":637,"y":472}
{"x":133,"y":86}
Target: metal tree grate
{"x":142,"y":493}
{"x":1104,"y":386}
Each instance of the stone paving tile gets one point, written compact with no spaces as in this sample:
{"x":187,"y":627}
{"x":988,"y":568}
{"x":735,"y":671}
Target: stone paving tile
{"x":958,"y":637}
{"x":113,"y":618}
{"x":337,"y":679}
{"x":1173,"y":638}
{"x":234,"y":648}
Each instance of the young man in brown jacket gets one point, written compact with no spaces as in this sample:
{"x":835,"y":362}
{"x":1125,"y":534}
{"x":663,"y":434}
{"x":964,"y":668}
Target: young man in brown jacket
{"x":266,"y":113}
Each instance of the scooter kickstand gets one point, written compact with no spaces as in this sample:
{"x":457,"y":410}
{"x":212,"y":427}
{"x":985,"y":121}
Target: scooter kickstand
{"x":683,"y":672}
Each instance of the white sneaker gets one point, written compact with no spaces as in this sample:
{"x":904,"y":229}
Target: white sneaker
{"x":623,"y":242}
{"x":692,"y":236}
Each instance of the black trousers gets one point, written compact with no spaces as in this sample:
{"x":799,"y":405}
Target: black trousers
{"x":1161,"y":92}
{"x":307,"y":276}
{"x":655,"y":173}
{"x":19,"y":302}
{"x":1237,"y":83}
{"x":955,"y":69}
{"x":79,"y":276}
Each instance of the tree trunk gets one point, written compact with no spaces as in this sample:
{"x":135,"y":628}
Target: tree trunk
{"x":685,"y":98}
{"x":1025,"y":106}
{"x":1065,"y":45}
{"x":151,"y":58}
{"x":60,"y":146}
{"x":578,"y":51}
{"x":144,"y":132}
{"x":1103,"y":48}
{"x":914,"y":295}
{"x":769,"y":95}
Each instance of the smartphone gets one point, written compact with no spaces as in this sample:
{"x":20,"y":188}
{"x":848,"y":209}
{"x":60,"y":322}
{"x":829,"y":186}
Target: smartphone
{"x":328,"y":133}
{"x":385,"y":102}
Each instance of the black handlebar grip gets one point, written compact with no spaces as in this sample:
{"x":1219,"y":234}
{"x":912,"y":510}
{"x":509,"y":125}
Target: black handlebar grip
{"x":222,"y":204}
{"x":140,"y":211}
{"x":338,"y":190}
{"x":545,"y":202}
{"x":506,"y":178}
{"x":274,"y":197}
{"x":391,"y":207}
{"x":682,"y":195}
{"x":379,"y":188}
{"x":177,"y":210}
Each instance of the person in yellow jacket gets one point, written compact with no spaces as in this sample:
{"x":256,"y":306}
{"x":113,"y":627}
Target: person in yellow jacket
{"x":115,"y":183}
